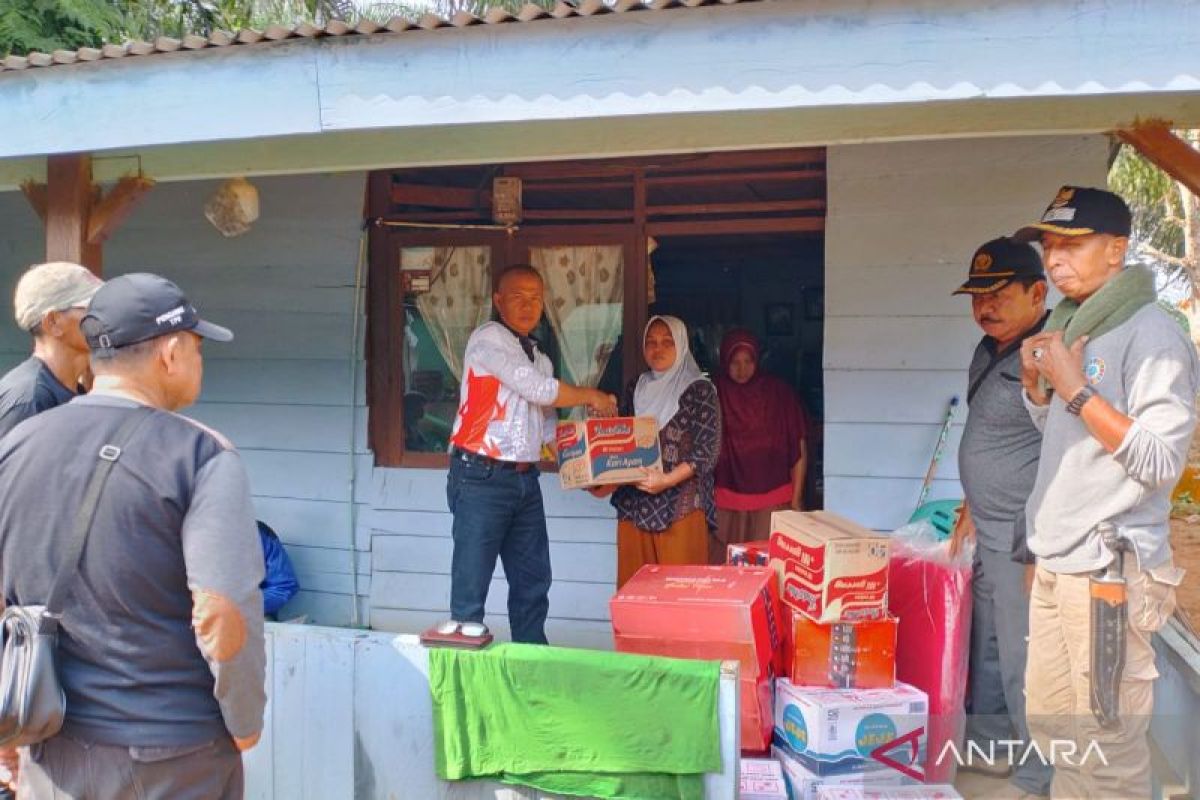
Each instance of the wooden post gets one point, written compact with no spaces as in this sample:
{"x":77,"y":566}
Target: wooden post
{"x":1162,"y":148}
{"x":385,"y":331}
{"x":69,"y":197}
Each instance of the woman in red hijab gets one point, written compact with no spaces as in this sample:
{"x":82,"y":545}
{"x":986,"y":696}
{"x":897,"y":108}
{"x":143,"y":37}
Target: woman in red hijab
{"x":764,"y":457}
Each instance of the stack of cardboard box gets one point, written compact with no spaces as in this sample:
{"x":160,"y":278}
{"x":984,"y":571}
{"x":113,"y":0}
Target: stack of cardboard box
{"x":841,"y":719}
{"x":838,"y":724}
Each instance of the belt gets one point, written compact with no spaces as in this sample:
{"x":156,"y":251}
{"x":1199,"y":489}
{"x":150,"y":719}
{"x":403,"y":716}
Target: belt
{"x":479,"y":458}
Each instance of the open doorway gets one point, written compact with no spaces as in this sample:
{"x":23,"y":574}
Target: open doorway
{"x":774,"y":285}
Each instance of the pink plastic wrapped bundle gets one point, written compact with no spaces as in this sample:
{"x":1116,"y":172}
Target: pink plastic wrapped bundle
{"x":931,"y":595}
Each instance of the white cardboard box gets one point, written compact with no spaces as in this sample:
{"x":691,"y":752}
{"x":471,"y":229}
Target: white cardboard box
{"x":923,"y":792}
{"x":835,"y":731}
{"x":804,"y":783}
{"x":761,"y":779}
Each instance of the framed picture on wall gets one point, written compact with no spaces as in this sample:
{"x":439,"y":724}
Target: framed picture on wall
{"x":780,"y":319}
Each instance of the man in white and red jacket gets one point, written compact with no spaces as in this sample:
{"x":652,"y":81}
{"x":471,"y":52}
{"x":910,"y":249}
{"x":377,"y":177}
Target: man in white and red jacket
{"x":505,"y":416}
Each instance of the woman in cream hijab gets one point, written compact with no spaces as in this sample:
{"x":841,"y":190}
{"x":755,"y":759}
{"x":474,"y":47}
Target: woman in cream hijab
{"x":666,"y":518}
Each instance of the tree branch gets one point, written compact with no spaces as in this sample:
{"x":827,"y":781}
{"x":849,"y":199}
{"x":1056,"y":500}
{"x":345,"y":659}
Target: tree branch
{"x":1166,"y":258}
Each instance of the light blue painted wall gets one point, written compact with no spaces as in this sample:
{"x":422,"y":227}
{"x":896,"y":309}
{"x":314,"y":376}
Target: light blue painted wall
{"x":903,"y":221}
{"x":283,"y":390}
{"x":896,"y":347}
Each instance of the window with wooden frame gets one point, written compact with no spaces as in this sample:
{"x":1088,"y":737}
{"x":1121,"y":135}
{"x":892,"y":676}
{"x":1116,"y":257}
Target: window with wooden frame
{"x":587,"y":227}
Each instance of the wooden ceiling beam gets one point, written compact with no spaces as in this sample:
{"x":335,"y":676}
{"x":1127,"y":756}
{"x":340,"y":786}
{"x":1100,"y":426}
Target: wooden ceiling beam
{"x":108,"y":214}
{"x":1162,"y":148}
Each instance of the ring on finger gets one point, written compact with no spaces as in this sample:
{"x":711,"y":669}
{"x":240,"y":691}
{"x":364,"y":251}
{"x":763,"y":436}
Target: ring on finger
{"x":1037,"y":353}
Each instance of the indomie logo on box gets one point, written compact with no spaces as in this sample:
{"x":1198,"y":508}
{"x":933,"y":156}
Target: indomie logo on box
{"x":606,"y":451}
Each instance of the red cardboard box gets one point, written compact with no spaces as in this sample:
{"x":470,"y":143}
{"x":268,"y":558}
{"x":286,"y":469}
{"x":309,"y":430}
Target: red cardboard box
{"x":720,"y":613}
{"x":748,"y":554}
{"x":843,"y":655}
{"x":830,"y":568}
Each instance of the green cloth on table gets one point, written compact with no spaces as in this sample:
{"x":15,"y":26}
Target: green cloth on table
{"x":587,"y":723}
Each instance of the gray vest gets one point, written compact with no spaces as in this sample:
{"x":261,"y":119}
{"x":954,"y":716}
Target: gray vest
{"x":130,"y":666}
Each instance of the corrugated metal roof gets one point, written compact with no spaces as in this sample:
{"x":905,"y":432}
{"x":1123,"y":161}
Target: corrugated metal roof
{"x":305,"y":30}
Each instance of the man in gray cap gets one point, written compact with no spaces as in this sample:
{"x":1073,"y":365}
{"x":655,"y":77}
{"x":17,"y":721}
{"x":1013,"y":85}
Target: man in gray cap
{"x":161,"y":651}
{"x":49,"y":303}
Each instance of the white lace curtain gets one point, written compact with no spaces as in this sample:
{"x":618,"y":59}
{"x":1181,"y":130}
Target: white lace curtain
{"x":458,"y":300}
{"x":584,"y":291}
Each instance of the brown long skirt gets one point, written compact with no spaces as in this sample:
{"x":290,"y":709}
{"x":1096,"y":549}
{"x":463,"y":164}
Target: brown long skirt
{"x":736,"y":527}
{"x":685,"y":542}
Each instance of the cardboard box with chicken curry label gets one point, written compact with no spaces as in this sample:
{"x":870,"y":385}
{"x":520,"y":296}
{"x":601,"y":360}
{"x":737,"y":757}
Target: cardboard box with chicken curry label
{"x":606,"y":450}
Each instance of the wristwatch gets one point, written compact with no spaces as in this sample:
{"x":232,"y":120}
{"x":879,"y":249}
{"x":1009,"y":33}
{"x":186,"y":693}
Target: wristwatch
{"x":1082,"y":396}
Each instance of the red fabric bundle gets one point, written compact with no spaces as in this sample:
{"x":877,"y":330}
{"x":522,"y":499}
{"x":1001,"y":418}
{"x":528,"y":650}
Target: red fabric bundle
{"x":932,"y":598}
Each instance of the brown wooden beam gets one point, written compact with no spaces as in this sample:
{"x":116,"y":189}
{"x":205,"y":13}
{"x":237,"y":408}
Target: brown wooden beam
{"x":385,"y":333}
{"x":737,"y":177}
{"x":68,"y":205}
{"x":108,"y":214}
{"x":416,"y":194}
{"x":578,"y":213}
{"x":738,"y":160}
{"x":720,"y":227}
{"x":1162,"y":148}
{"x":754,"y":207}
{"x":35,"y":193}
{"x":637,"y":286}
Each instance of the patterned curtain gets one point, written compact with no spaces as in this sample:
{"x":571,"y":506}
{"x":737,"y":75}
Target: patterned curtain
{"x":459,"y":298}
{"x":584,"y":291}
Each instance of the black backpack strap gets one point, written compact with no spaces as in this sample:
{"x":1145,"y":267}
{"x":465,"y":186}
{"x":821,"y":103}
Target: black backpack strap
{"x":106,"y":459}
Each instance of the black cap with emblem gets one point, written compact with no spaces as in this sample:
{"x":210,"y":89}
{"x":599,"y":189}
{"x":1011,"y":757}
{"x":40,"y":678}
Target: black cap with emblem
{"x":140,"y":306}
{"x":1079,"y":211}
{"x":998,"y":263}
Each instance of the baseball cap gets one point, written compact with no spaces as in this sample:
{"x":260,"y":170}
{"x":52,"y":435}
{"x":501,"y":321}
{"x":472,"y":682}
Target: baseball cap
{"x":997,"y":263}
{"x":139,"y":306}
{"x":1078,"y":211}
{"x":54,"y":286}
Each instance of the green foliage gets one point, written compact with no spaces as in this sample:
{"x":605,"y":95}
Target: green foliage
{"x":48,"y":25}
{"x":1154,"y":198}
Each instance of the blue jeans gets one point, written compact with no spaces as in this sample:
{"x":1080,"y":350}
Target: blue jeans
{"x":498,"y":512}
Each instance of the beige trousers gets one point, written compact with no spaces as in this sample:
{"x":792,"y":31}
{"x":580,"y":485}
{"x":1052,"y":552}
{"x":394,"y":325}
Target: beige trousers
{"x":1057,"y":688}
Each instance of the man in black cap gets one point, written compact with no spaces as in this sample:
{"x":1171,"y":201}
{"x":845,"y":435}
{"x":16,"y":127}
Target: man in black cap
{"x":1112,"y":382}
{"x":997,"y":463}
{"x":161,"y":651}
